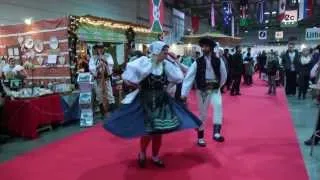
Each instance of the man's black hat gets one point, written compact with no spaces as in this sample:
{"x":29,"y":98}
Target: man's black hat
{"x":98,"y":45}
{"x":207,"y":41}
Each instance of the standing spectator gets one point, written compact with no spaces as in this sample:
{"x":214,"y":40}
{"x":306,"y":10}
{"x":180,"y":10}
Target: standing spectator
{"x":236,"y":69}
{"x":262,"y":60}
{"x":248,"y":64}
{"x":272,"y":72}
{"x":304,"y":72}
{"x":228,"y":59}
{"x":290,"y":62}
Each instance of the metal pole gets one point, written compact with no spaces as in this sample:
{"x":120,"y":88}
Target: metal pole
{"x":232,"y":26}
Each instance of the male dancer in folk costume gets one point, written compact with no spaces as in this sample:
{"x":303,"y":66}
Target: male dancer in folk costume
{"x":149,"y":112}
{"x":209,"y":73}
{"x":100,"y":64}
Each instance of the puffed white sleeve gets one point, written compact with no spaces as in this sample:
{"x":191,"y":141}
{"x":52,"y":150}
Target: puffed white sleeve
{"x":183,"y":67}
{"x":173,"y":71}
{"x":92,"y":67}
{"x":137,"y":70}
{"x":110,"y":62}
{"x":189,"y":79}
{"x":223,"y":72}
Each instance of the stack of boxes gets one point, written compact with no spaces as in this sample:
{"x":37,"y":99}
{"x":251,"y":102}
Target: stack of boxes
{"x":85,"y":82}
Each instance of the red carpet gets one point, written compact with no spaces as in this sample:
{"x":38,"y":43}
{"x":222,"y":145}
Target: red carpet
{"x":260,"y":145}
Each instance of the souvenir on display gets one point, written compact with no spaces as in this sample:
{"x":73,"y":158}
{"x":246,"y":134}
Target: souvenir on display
{"x":38,"y":46}
{"x":15,"y":84}
{"x":84,"y":77}
{"x":62,"y":60}
{"x":86,"y":118}
{"x":85,"y":98}
{"x":20,"y":40}
{"x":54,"y":43}
{"x":28,"y":43}
{"x":40,"y":60}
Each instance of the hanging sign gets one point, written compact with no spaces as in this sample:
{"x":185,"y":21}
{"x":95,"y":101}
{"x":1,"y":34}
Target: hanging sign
{"x":156,"y":15}
{"x":262,"y":35}
{"x":312,"y":34}
{"x":279,"y":35}
{"x":290,"y":19}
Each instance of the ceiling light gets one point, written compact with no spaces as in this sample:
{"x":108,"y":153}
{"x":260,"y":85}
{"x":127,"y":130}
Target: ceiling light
{"x":266,"y":13}
{"x":28,"y":21}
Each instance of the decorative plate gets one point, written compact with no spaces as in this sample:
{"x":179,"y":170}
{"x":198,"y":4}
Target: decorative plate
{"x":20,"y":40}
{"x":62,"y":60}
{"x":40,"y":60}
{"x":38,"y":46}
{"x":54,"y":43}
{"x":28,"y":43}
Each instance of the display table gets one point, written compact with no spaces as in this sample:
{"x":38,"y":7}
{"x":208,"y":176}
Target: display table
{"x":70,"y":106}
{"x":22,"y":117}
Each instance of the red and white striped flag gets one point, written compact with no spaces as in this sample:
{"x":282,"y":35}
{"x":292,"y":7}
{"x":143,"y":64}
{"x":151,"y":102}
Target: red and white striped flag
{"x":282,"y":9}
{"x":213,"y":22}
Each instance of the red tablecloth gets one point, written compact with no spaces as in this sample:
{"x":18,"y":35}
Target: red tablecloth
{"x":22,"y":117}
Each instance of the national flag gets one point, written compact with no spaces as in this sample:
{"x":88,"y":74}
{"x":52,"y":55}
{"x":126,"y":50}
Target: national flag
{"x":282,"y":9}
{"x":156,"y":15}
{"x":213,"y":21}
{"x":305,"y":9}
{"x":227,"y":13}
{"x":195,"y":22}
{"x":243,"y":9}
{"x":260,"y":11}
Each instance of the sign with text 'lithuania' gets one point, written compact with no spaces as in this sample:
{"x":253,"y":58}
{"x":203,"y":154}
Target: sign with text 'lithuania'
{"x":312,"y":34}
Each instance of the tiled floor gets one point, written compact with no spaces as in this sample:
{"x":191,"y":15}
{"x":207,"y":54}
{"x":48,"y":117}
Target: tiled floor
{"x":303,"y":113}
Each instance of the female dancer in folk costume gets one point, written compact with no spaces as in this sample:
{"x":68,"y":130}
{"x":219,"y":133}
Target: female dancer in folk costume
{"x":148,"y":112}
{"x":209,"y":73}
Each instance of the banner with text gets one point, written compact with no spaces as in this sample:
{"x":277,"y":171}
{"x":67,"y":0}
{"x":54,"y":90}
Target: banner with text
{"x":312,"y":34}
{"x":290,"y":19}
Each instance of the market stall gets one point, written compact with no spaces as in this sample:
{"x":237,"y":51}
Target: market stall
{"x":41,"y":47}
{"x":43,"y":96}
{"x":119,"y":39}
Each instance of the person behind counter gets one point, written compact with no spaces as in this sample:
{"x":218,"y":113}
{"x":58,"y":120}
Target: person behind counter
{"x":13,"y":70}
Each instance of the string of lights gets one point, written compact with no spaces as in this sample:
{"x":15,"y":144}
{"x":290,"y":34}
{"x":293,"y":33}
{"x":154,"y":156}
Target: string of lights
{"x":114,"y":25}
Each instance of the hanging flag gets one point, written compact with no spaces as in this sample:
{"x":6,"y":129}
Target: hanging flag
{"x":227,"y":13}
{"x":260,"y":11}
{"x":282,"y":9}
{"x":195,"y":22}
{"x":305,"y":9}
{"x":243,"y":9}
{"x":244,"y":13}
{"x":213,"y":22}
{"x":156,"y":15}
